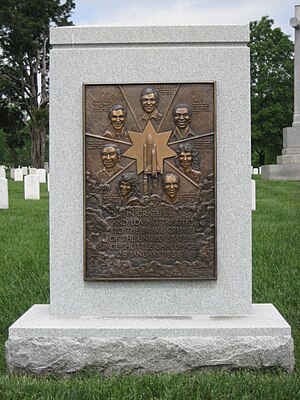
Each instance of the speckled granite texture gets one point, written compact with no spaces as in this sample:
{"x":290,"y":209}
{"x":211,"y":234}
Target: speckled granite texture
{"x":153,"y":54}
{"x":42,"y":344}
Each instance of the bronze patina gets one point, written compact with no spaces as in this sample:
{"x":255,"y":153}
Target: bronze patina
{"x":150,"y":181}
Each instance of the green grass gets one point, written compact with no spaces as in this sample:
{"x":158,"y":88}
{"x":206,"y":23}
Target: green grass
{"x":276,"y":251}
{"x":24,"y":276}
{"x":276,"y":277}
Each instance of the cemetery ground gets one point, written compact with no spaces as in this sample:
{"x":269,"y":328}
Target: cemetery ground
{"x":24,"y":281}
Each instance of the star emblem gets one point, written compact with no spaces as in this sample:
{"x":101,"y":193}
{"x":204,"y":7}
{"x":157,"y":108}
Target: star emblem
{"x":158,"y":142}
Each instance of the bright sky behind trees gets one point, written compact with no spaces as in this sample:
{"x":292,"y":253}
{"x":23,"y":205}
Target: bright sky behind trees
{"x":183,"y":12}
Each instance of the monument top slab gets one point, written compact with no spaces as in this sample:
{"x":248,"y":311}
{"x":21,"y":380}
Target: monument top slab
{"x":149,"y":34}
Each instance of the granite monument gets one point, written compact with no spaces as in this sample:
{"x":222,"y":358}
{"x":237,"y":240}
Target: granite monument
{"x":116,"y":313}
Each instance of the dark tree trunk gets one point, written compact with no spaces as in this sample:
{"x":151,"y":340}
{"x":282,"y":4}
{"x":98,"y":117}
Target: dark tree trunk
{"x":38,"y":140}
{"x":261,"y":158}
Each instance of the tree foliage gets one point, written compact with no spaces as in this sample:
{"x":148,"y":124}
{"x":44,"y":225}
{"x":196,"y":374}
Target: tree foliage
{"x":24,"y":79}
{"x":272,"y":88}
{"x":24,"y":62}
{"x":13,"y":136}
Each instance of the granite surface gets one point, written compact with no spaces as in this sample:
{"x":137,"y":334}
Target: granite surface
{"x":72,"y":66}
{"x":278,"y":172}
{"x":40,"y":343}
{"x":100,"y":35}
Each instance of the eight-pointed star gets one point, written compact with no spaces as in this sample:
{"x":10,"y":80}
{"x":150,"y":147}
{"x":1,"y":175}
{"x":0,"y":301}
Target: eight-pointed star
{"x":138,"y":141}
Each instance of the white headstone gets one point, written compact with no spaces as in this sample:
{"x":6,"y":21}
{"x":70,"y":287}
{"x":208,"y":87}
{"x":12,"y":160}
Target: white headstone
{"x":48,"y":182}
{"x":24,"y":170}
{"x":12,"y":173}
{"x":255,"y":171}
{"x":41,"y":174}
{"x":2,"y":173}
{"x":32,"y":171}
{"x":3,"y":193}
{"x":18,"y":175}
{"x":253,"y":195}
{"x":31,"y":187}
{"x":259,"y":170}
{"x":46,"y":166}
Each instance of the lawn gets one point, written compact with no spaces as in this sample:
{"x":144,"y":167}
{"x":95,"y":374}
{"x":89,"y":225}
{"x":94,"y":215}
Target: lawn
{"x":24,"y":281}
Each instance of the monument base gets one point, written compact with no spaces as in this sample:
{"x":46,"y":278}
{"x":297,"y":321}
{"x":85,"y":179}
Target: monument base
{"x":284,"y":172}
{"x":288,"y":164}
{"x":40,"y":343}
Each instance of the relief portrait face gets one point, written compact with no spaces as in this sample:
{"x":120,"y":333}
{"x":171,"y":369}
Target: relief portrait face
{"x":171,"y":185}
{"x":149,"y":103}
{"x":118,"y":119}
{"x":125,"y":188}
{"x":109,"y":157}
{"x":182,"y":117}
{"x":185,"y":159}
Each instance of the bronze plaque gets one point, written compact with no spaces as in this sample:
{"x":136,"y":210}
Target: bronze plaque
{"x":150,"y":181}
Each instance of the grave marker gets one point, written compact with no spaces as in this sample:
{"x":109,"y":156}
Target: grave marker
{"x":253,"y":195}
{"x":3,"y":193}
{"x":41,"y":173}
{"x":18,"y":175}
{"x":31,"y":187}
{"x":24,"y":170}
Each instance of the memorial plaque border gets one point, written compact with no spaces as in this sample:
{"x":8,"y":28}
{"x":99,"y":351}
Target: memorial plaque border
{"x":150,"y":84}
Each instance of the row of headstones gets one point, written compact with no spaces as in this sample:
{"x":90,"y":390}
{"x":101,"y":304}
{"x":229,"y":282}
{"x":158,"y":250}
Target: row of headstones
{"x":25,"y":170}
{"x":18,"y":173}
{"x":31,"y":187}
{"x":255,"y":171}
{"x":35,"y":177}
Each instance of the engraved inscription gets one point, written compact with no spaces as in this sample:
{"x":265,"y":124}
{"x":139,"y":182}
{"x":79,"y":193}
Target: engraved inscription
{"x":200,"y":107}
{"x":140,"y":235}
{"x":92,"y":143}
{"x":165,"y":90}
{"x":205,"y":144}
{"x":100,"y":106}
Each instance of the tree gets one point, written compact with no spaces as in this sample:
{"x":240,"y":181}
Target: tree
{"x":272,"y":89}
{"x":24,"y":62}
{"x":12,"y":134}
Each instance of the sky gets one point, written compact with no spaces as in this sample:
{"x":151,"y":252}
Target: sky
{"x":183,"y":12}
